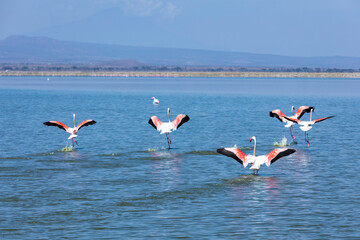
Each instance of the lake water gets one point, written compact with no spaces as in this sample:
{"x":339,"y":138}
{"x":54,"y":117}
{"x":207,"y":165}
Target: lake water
{"x":121,"y":182}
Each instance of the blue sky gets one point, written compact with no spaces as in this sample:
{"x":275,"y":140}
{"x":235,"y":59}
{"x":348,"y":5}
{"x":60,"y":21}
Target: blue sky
{"x":286,"y":27}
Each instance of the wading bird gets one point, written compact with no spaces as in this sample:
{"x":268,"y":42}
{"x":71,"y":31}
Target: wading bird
{"x":307,"y":125}
{"x":70,"y":130}
{"x":167,"y":127}
{"x":299,"y":113}
{"x":255,"y":161}
{"x":156,"y":101}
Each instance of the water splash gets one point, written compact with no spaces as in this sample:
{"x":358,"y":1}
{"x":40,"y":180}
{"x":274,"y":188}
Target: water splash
{"x":68,"y":149}
{"x":156,"y":149}
{"x":152,"y":149}
{"x":282,"y":143}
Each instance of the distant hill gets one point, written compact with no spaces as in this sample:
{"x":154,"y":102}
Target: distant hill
{"x":24,"y":49}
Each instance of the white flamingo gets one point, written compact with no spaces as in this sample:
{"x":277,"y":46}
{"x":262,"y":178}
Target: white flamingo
{"x":156,"y":101}
{"x":255,"y":161}
{"x":307,"y":125}
{"x":70,"y":130}
{"x":167,"y":127}
{"x":299,"y":113}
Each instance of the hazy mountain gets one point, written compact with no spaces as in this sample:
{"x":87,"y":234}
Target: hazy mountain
{"x":114,"y":26}
{"x":23,"y":49}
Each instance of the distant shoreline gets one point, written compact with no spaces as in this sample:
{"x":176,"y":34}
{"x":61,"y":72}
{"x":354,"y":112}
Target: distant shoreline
{"x":182,"y":74}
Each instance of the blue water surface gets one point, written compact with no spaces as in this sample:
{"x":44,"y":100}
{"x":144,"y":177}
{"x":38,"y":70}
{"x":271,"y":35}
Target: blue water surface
{"x":122,"y":182}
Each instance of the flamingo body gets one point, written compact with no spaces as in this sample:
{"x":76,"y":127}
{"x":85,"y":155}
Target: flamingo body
{"x":297,"y":115}
{"x":307,"y":125}
{"x":156,"y":101}
{"x":255,"y":161}
{"x":168,"y":127}
{"x":70,"y":130}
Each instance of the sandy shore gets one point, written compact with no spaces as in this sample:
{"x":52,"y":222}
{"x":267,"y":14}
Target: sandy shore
{"x":187,"y":74}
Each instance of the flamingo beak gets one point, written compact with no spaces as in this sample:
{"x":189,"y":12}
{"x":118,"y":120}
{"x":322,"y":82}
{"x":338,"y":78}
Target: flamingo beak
{"x":251,"y":139}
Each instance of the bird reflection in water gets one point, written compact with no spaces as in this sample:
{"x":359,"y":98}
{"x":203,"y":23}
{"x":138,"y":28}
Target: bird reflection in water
{"x":166,"y":161}
{"x":249,"y":189}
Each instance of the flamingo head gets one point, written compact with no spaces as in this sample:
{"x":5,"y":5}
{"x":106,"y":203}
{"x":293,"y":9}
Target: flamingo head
{"x":253,"y":138}
{"x":153,"y":98}
{"x":292,"y":108}
{"x":168,"y":113}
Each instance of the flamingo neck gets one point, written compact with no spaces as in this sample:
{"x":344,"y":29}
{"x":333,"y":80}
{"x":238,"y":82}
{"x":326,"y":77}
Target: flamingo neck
{"x":310,"y":115}
{"x":254,"y":146}
{"x":168,"y":113}
{"x":74,"y":119}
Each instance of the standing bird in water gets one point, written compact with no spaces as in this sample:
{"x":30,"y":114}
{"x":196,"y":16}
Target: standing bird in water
{"x":307,"y":125}
{"x":167,"y":127}
{"x":156,"y":101}
{"x":70,"y":130}
{"x":255,"y":161}
{"x":299,"y":113}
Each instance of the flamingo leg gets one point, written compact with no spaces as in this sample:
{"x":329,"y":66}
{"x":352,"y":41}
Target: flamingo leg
{"x":292,"y":134}
{"x":168,"y":140}
{"x":307,"y":138}
{"x":307,"y":134}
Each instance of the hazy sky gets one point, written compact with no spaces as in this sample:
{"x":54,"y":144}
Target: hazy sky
{"x":286,"y":27}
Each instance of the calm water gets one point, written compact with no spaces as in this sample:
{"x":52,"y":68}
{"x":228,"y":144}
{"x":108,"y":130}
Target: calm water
{"x":121,"y":183}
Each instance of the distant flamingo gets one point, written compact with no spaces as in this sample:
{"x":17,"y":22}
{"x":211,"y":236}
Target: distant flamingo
{"x":167,"y":127}
{"x":256,"y":161}
{"x":73,"y":130}
{"x":299,"y":113}
{"x":307,"y":125}
{"x":156,"y":101}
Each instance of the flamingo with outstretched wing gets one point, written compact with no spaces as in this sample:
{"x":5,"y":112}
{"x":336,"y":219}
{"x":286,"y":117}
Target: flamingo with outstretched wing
{"x":255,"y":161}
{"x":307,"y":125}
{"x":70,"y":130}
{"x":297,"y":115}
{"x":168,"y":127}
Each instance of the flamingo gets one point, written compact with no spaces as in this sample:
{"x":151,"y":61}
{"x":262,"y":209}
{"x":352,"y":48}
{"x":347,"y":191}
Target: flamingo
{"x":73,"y":130}
{"x":156,"y":101}
{"x":256,"y":161}
{"x":307,"y":125}
{"x":167,"y":127}
{"x":299,"y":113}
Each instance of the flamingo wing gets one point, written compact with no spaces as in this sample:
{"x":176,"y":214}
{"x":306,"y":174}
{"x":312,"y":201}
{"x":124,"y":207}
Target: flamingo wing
{"x":275,"y":154}
{"x":180,"y":120}
{"x":57,"y":124}
{"x":85,"y":123}
{"x":155,"y":122}
{"x":278,"y":114}
{"x":302,"y":110}
{"x":234,"y":153}
{"x":322,"y":119}
{"x":292,"y":119}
